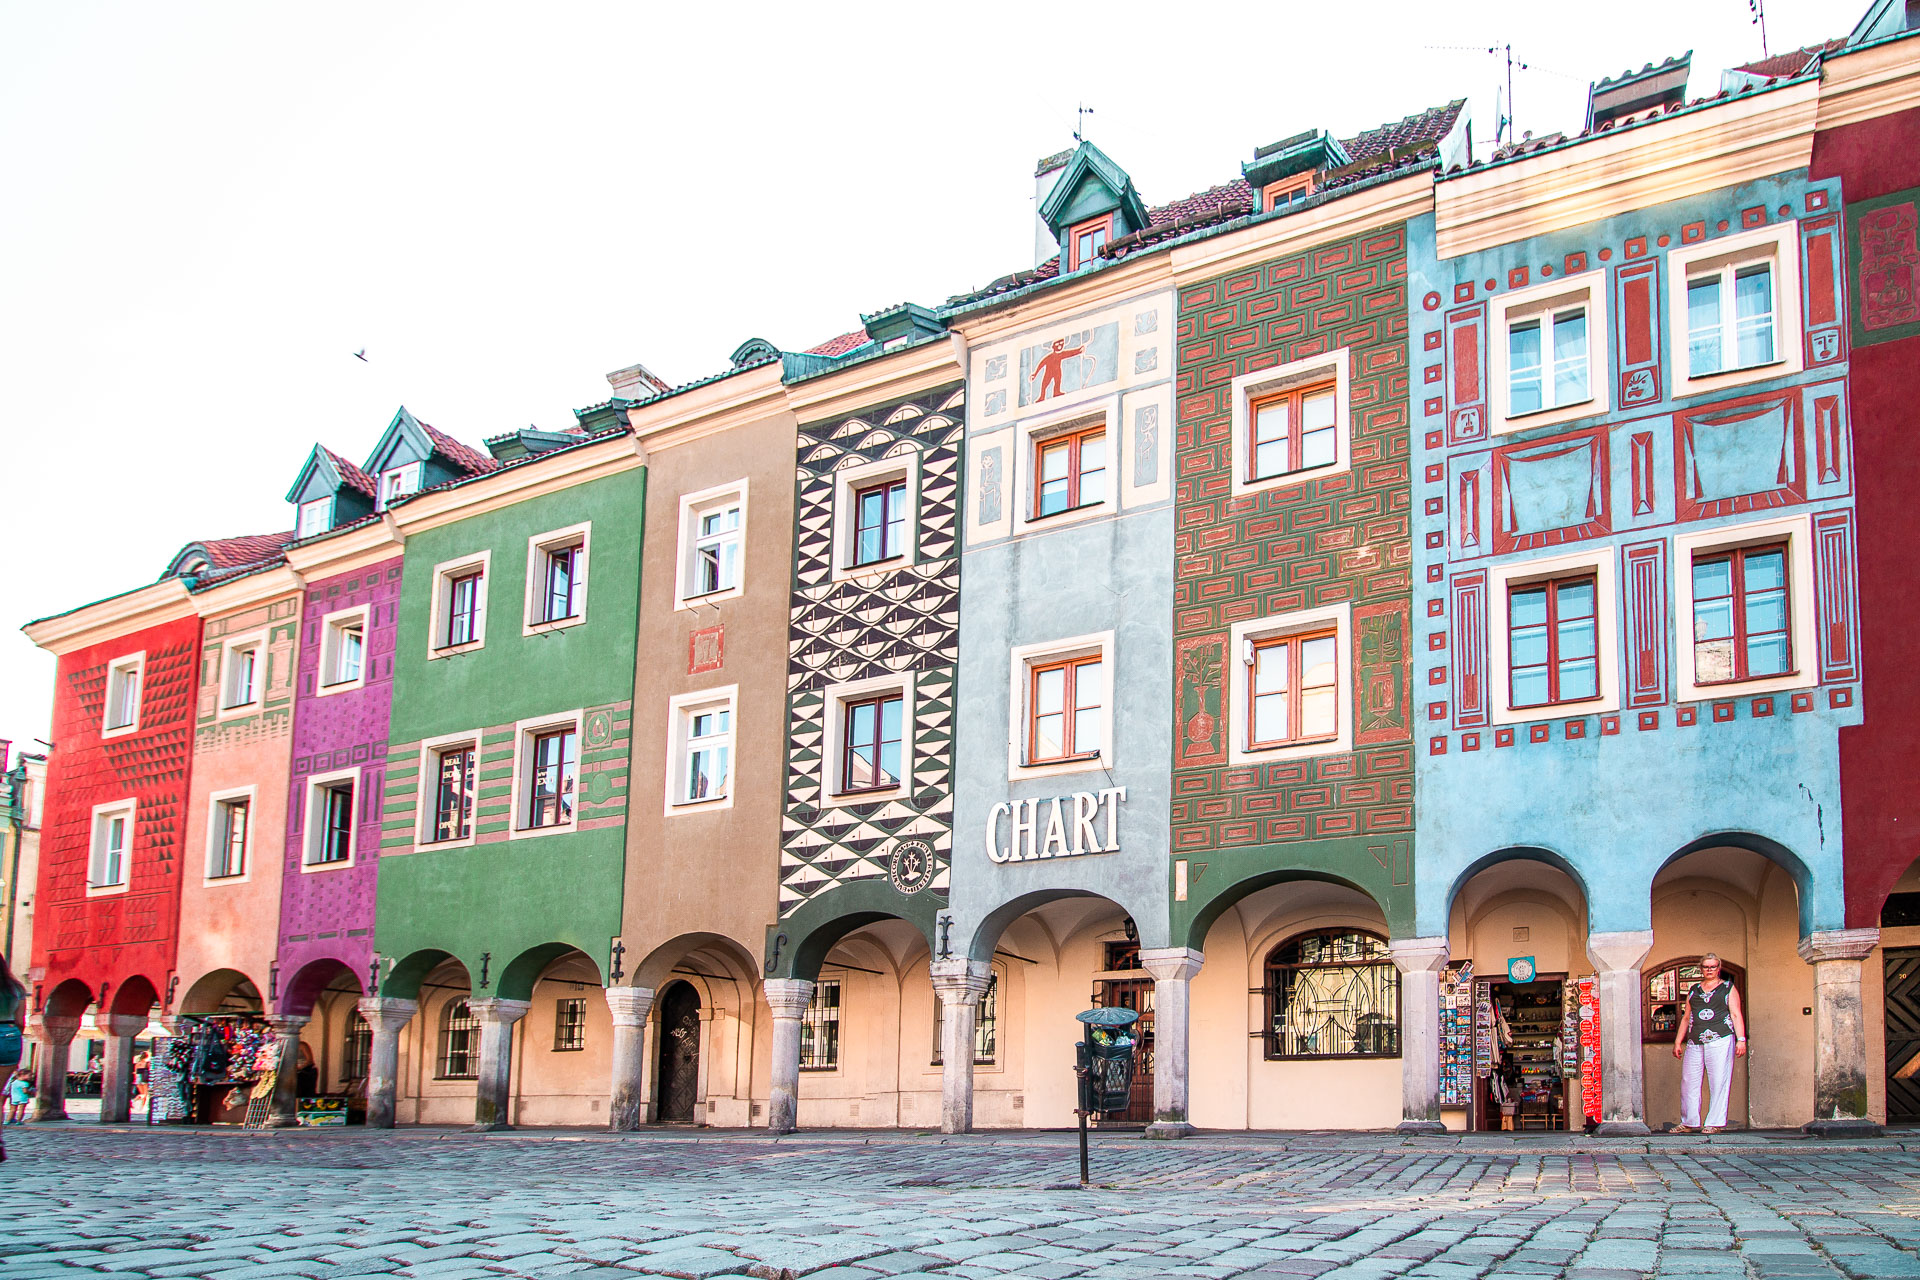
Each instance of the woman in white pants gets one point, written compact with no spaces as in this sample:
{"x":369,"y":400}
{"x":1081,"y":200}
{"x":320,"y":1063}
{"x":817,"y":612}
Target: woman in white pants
{"x":1713,"y":1032}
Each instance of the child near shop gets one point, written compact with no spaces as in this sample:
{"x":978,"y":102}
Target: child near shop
{"x":19,"y":1093}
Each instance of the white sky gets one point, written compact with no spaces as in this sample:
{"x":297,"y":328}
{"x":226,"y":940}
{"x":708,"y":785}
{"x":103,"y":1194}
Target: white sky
{"x":206,"y":208}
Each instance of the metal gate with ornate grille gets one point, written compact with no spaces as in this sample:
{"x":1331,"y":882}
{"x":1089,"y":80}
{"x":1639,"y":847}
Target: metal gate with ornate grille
{"x":679,"y":1053}
{"x":1903,"y":1034}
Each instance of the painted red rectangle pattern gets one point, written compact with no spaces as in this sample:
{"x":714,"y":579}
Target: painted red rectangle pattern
{"x":1836,"y":619}
{"x":1469,"y":666}
{"x":1646,"y":657}
{"x":1470,"y":510}
{"x":1828,"y":449}
{"x":707,"y":650}
{"x":1637,"y":291}
{"x":1691,"y":502}
{"x":1823,"y":281}
{"x":1466,"y":375}
{"x":1642,"y":472}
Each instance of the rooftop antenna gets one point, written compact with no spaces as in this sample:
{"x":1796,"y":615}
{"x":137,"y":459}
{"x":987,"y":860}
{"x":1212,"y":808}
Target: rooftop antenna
{"x":1503,"y":126}
{"x":1080,"y":122}
{"x":1759,"y":10}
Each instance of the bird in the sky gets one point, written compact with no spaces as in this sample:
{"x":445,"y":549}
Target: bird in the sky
{"x":362,"y":354}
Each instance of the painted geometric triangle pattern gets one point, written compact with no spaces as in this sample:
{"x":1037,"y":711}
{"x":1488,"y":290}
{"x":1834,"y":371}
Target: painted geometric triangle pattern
{"x":904,"y":622}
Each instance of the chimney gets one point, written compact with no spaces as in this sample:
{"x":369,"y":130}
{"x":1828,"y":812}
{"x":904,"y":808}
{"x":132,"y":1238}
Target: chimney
{"x":1045,"y":174}
{"x":635,"y":382}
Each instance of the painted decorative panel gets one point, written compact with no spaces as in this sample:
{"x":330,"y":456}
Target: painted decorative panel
{"x":1884,"y":253}
{"x":1645,"y":655}
{"x":1637,"y":309}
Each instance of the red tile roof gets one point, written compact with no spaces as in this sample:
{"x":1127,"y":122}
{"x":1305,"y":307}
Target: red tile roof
{"x":468,"y":459}
{"x":1791,"y":64}
{"x":251,"y":548}
{"x":350,"y":475}
{"x":841,"y":345}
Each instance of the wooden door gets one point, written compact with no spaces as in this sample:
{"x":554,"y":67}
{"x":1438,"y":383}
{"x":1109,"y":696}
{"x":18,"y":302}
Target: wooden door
{"x":679,"y":1053}
{"x":1903,"y":1034}
{"x":1135,"y":994}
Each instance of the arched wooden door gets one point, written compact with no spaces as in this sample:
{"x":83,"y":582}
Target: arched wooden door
{"x":679,"y":1067}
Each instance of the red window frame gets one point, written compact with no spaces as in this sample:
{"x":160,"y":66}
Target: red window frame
{"x":1073,"y":442}
{"x":893,"y":505}
{"x":1070,"y":708}
{"x":1286,"y":191}
{"x":1293,"y":644}
{"x":1295,"y":399}
{"x":457,"y":615}
{"x":1552,"y":587}
{"x":1074,"y":233}
{"x":847,"y":745}
{"x":1737,"y":586}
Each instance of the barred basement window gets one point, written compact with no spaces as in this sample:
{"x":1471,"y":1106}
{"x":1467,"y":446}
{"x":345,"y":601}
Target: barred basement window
{"x":459,"y":1043}
{"x":820,"y":1028}
{"x":986,"y":1025}
{"x":1333,"y":993}
{"x":569,"y":1025}
{"x":358,"y":1057}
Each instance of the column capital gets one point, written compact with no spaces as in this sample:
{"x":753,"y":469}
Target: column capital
{"x":499,"y":1009}
{"x":1838,"y":944}
{"x":286,"y":1024}
{"x":52,"y":1030}
{"x":960,"y":981}
{"x":788,"y":997}
{"x":1617,"y":952}
{"x":630,"y":1005}
{"x":124,"y":1024}
{"x":1418,"y":955}
{"x":387,"y":1013}
{"x":1169,"y":964}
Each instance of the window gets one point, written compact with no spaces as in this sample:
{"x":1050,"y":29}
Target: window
{"x":569,"y":1025}
{"x":880,"y":522}
{"x":1553,"y":642}
{"x":1065,"y":705}
{"x":1740,"y":615}
{"x":557,"y":578}
{"x":459,"y":1043}
{"x":358,"y":1050}
{"x":107,"y":865}
{"x":124,"y":678}
{"x":1070,"y":471}
{"x":1288,"y":191}
{"x":1334,"y":993}
{"x":1730,"y":319}
{"x":398,"y":483}
{"x":1736,"y":300}
{"x":713,"y":525}
{"x":463,"y":609}
{"x":1291,"y":423}
{"x":820,"y":1028}
{"x":242,"y":674}
{"x":343,"y":651}
{"x":1294,"y":689}
{"x":1294,"y":431}
{"x":453,"y":792}
{"x":229,"y":833}
{"x":700,"y":749}
{"x":986,"y":1025}
{"x":1668,"y":988}
{"x":315,"y":517}
{"x":1547,"y":359}
{"x":1085,"y":240}
{"x":870,"y":738}
{"x":330,"y":820}
{"x":460,"y":604}
{"x":555,"y":762}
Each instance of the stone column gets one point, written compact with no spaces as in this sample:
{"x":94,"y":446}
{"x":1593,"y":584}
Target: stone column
{"x":1839,"y":1032}
{"x":55,"y":1038}
{"x":496,"y":1016}
{"x":788,"y":998}
{"x":284,"y":1111}
{"x":630,"y":1006}
{"x":385,"y":1016}
{"x":959,"y":983}
{"x":116,"y":1080}
{"x":1623,"y":1079}
{"x":1172,"y":969}
{"x":1420,"y":961}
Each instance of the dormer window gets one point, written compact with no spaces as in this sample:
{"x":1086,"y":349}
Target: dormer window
{"x":398,"y":483}
{"x":1287,"y":191}
{"x":316,"y":517}
{"x":1085,"y":240}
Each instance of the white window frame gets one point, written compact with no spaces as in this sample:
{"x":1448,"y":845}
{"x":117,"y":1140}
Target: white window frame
{"x":524,"y":734}
{"x":1035,"y":431}
{"x":1798,"y":533}
{"x":442,"y":611}
{"x":538,"y":548}
{"x":847,"y":483}
{"x":680,"y":710}
{"x":332,"y":626}
{"x":1779,"y":244}
{"x":1260,"y":383}
{"x":129,"y":809}
{"x":402,"y":481}
{"x":310,"y":831}
{"x":692,"y":507}
{"x":428,"y":786}
{"x":116,"y":673}
{"x":321,"y":507}
{"x":834,"y":738}
{"x":216,"y":835}
{"x":230,"y":650}
{"x":1241,"y":638}
{"x":1541,"y":302}
{"x":1501,"y":579}
{"x":1022,"y":659}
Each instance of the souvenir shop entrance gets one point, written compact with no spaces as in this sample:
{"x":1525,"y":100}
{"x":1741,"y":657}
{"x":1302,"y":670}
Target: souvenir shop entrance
{"x":216,"y":1068}
{"x":1531,"y":1030}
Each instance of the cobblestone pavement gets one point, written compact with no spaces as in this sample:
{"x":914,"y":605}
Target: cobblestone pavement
{"x":83,"y":1201}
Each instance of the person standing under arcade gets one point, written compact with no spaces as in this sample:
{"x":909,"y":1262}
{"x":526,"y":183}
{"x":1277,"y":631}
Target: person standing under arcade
{"x":1713,"y":1032}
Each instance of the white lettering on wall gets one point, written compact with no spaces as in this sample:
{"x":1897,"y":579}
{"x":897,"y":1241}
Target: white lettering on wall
{"x":1067,"y":830}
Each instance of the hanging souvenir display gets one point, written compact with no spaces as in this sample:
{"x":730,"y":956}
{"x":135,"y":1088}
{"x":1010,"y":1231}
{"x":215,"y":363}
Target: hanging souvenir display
{"x":1589,"y":1050}
{"x":1456,"y":1034}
